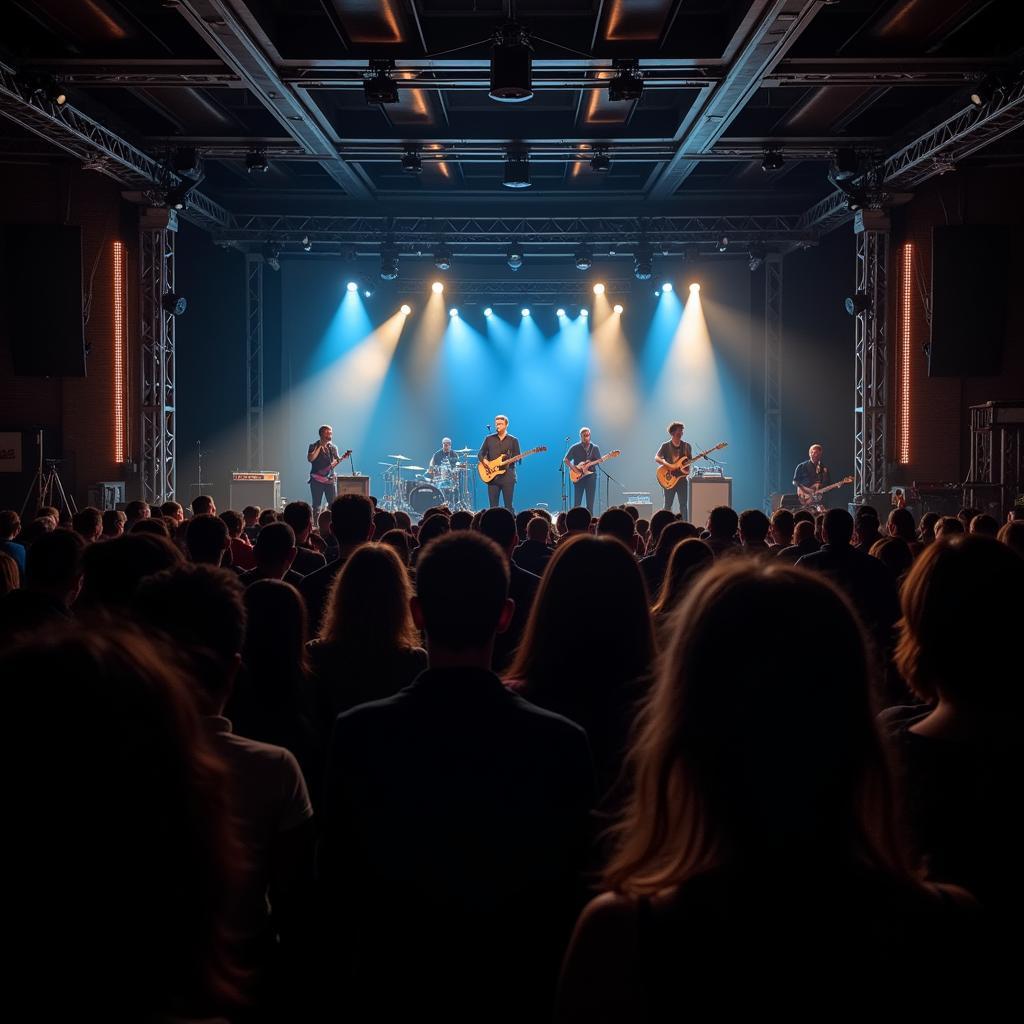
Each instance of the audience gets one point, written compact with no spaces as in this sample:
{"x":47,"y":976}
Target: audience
{"x":618,"y":523}
{"x":753,"y":530}
{"x":653,"y":566}
{"x":207,"y":538}
{"x":456,"y":818}
{"x":10,"y":527}
{"x":688,"y":558}
{"x":113,"y":524}
{"x":274,"y":553}
{"x":88,"y":524}
{"x":203,"y":505}
{"x":53,"y":578}
{"x":722,"y":526}
{"x":781,"y":533}
{"x":535,"y":552}
{"x":758,"y":859}
{"x":299,"y":516}
{"x":10,"y":577}
{"x":804,"y":542}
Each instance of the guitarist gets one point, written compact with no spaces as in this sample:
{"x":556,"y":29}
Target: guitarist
{"x":501,"y":442}
{"x":674,"y":449}
{"x":322,"y":458}
{"x":810,"y":476}
{"x":584,"y":452}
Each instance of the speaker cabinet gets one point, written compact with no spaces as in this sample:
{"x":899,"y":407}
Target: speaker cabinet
{"x":707,"y":493}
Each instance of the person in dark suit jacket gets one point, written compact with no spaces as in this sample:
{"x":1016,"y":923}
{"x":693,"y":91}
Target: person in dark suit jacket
{"x":455,"y":819}
{"x":534,"y":553}
{"x":499,"y":524}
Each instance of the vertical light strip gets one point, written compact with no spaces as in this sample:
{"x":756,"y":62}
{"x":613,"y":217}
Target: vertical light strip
{"x":119,"y":353}
{"x":903,"y":365}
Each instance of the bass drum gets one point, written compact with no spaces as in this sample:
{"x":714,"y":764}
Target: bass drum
{"x":423,"y":496}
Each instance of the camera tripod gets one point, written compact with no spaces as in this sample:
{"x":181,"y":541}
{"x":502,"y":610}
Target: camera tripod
{"x":47,"y":487}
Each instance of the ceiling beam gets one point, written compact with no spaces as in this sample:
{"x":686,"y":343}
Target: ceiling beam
{"x":220,"y":26}
{"x":765,"y":35}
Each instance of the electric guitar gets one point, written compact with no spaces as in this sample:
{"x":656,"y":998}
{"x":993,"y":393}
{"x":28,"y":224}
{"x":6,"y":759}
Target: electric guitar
{"x":490,"y":468}
{"x":582,"y":469}
{"x":325,"y":478}
{"x":810,"y":496}
{"x":670,"y":474}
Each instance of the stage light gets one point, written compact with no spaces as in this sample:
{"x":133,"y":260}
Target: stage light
{"x":186,"y":161}
{"x":352,"y":286}
{"x":177,"y":197}
{"x":772,"y":160}
{"x":601,"y":162}
{"x":388,"y":263}
{"x":488,"y":311}
{"x":723,"y":243}
{"x":378,"y":86}
{"x":694,"y":288}
{"x":443,"y":258}
{"x":859,"y":302}
{"x":755,"y":258}
{"x":627,"y":84}
{"x":599,"y":288}
{"x":657,"y":293}
{"x":437,"y":287}
{"x":525,"y":311}
{"x":559,"y":312}
{"x":411,"y":162}
{"x":514,"y":256}
{"x":643,"y":263}
{"x":667,"y":286}
{"x":272,"y":256}
{"x":406,"y":309}
{"x":453,"y":312}
{"x":173,"y":303}
{"x":617,"y":308}
{"x":583,"y":259}
{"x":517,"y":170}
{"x":367,"y":293}
{"x":845,"y":165}
{"x":584,"y":313}
{"x":44,"y":87}
{"x":307,"y":245}
{"x":256,"y":161}
{"x":511,"y":65}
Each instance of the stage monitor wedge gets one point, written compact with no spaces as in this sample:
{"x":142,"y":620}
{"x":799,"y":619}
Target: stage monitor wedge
{"x":970,"y":281}
{"x":41,"y":275}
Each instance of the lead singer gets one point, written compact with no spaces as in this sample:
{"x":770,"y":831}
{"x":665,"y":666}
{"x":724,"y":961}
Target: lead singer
{"x":322,"y":457}
{"x":501,"y":442}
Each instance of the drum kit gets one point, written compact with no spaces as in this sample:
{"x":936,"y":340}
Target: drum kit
{"x":427,"y":487}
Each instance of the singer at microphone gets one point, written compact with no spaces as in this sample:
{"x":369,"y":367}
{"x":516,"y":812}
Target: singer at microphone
{"x":501,"y":442}
{"x":322,"y":457}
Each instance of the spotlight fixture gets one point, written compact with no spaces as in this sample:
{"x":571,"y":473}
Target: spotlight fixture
{"x":388,"y":263}
{"x":186,"y":161}
{"x":755,"y":258}
{"x":517,"y":170}
{"x":584,"y":313}
{"x":437,"y":287}
{"x":643,"y":263}
{"x":772,"y":160}
{"x":599,"y":288}
{"x":177,"y":197}
{"x":44,"y":87}
{"x":453,"y":312}
{"x":845,"y":165}
{"x":378,"y":85}
{"x":601,"y":162}
{"x":443,"y":258}
{"x":307,"y":245}
{"x":367,"y":293}
{"x":173,"y":303}
{"x":584,"y":261}
{"x":723,"y":243}
{"x":525,"y":311}
{"x":859,"y":302}
{"x":488,"y":311}
{"x":694,"y":288}
{"x":511,"y":65}
{"x":352,"y":286}
{"x":405,"y":309}
{"x":617,"y":308}
{"x":667,"y":286}
{"x":559,"y":312}
{"x":514,"y":256}
{"x":987,"y":90}
{"x":657,"y":293}
{"x":627,"y":84}
{"x":256,"y":161}
{"x":272,"y":256}
{"x":411,"y":162}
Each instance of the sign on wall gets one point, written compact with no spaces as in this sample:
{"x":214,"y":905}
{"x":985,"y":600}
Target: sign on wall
{"x":10,"y":451}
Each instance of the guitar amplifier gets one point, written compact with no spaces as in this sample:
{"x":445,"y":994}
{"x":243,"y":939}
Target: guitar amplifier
{"x":636,"y":497}
{"x":357,"y":484}
{"x":707,"y":493}
{"x":261,"y":488}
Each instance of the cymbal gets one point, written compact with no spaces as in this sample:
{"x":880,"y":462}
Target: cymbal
{"x":388,"y":464}
{"x":399,"y":458}
{"x":462,"y":451}
{"x":414,"y":467}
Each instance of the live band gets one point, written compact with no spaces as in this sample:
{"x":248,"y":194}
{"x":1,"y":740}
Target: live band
{"x":444,"y":479}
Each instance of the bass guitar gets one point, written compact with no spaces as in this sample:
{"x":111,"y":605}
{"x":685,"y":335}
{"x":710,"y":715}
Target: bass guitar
{"x":671,"y":473}
{"x":490,"y":468}
{"x":582,"y":469}
{"x":324,"y":478}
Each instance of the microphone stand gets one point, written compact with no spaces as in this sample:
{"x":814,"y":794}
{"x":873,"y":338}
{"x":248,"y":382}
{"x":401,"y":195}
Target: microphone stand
{"x":608,"y":480}
{"x":561,"y":473}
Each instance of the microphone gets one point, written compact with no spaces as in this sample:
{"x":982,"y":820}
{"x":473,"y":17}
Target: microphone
{"x":488,"y":428}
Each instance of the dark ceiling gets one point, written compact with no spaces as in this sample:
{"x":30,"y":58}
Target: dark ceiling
{"x":723,"y":82}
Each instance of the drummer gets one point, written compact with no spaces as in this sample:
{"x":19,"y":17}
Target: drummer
{"x":443,"y":459}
